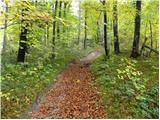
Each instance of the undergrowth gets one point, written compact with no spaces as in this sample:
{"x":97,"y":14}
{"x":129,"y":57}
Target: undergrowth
{"x":21,"y":83}
{"x":129,"y":87}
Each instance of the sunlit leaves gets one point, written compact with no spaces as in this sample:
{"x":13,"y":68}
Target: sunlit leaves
{"x":127,"y":85}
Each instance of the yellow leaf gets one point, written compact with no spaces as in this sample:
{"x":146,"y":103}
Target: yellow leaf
{"x":78,"y":81}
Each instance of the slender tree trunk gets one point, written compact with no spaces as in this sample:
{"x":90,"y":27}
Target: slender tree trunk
{"x":79,"y":24}
{"x":48,"y":24}
{"x":105,"y":29}
{"x":64,"y":15}
{"x":98,"y":32}
{"x":36,"y":3}
{"x":23,"y":40}
{"x":58,"y":27}
{"x":115,"y":28}
{"x":135,"y":48}
{"x":151,"y":36}
{"x":47,"y":32}
{"x":5,"y":27}
{"x":54,"y":28}
{"x":145,"y":39}
{"x":68,"y":27}
{"x":85,"y":30}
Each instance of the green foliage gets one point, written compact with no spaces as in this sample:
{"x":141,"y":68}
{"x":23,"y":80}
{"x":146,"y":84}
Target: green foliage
{"x":18,"y":79}
{"x":129,"y":87}
{"x":21,"y":83}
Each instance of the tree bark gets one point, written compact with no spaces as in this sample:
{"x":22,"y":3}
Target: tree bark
{"x":5,"y":27}
{"x":105,"y":29}
{"x":64,"y":12}
{"x":98,"y":32}
{"x":58,"y":27}
{"x":115,"y":28}
{"x":79,"y":24}
{"x":47,"y":32}
{"x":145,"y":39}
{"x":64,"y":15}
{"x":85,"y":30}
{"x":54,"y":28}
{"x":151,"y":35}
{"x":23,"y":39}
{"x":135,"y":48}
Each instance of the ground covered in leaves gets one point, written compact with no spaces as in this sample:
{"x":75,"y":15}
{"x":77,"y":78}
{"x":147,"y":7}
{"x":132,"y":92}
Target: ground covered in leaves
{"x":72,"y":96}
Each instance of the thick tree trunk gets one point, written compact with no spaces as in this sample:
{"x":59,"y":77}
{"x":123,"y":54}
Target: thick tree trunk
{"x":115,"y":28}
{"x":58,"y":27}
{"x":54,"y":28}
{"x":135,"y":48}
{"x":22,"y":46}
{"x":85,"y":30}
{"x":23,"y":40}
{"x":105,"y":29}
{"x":5,"y":27}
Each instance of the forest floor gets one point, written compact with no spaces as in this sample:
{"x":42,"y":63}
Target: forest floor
{"x":73,"y":95}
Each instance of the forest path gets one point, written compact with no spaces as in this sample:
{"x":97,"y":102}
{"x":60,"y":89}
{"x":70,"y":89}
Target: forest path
{"x":73,"y":95}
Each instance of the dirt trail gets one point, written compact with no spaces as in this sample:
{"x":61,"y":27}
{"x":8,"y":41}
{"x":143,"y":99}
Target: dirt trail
{"x":73,"y":95}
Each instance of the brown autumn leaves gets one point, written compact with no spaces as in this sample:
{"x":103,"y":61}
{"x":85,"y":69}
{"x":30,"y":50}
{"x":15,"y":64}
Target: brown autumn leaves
{"x":72,"y":96}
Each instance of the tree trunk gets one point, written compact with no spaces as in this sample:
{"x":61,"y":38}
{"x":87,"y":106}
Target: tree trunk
{"x":145,"y":39}
{"x":64,"y":15}
{"x":105,"y":29}
{"x":98,"y":32}
{"x":85,"y":30}
{"x":65,"y":6}
{"x":79,"y":24}
{"x":58,"y":27}
{"x":47,"y":32}
{"x":54,"y":28}
{"x":115,"y":28}
{"x":151,"y":35}
{"x":5,"y":27}
{"x":23,"y":40}
{"x":135,"y":48}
